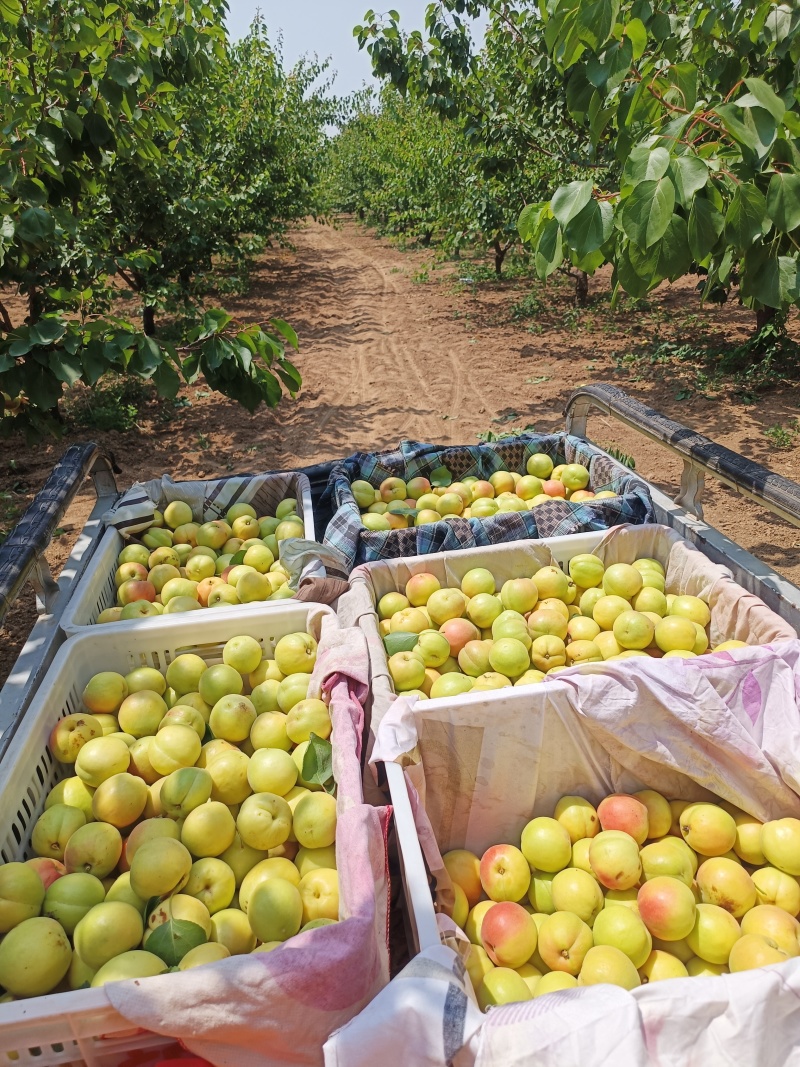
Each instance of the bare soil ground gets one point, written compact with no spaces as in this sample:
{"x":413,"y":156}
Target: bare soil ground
{"x":397,"y":345}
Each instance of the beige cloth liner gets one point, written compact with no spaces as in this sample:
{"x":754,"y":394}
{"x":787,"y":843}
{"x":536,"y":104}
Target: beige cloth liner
{"x":735,"y":613}
{"x":481,"y":768}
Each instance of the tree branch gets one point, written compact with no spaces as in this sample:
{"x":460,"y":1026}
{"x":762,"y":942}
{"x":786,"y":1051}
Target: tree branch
{"x":6,"y":318}
{"x":129,"y":281}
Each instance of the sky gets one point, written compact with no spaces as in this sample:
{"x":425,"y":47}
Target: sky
{"x":324,"y":27}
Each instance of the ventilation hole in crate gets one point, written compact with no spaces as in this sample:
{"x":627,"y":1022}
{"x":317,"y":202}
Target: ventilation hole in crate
{"x":26,"y":806}
{"x":16,"y":833}
{"x":40,"y":774}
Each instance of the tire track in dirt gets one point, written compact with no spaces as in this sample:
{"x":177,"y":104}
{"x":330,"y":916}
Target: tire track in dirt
{"x":447,"y":386}
{"x":386,"y":336}
{"x":338,"y":313}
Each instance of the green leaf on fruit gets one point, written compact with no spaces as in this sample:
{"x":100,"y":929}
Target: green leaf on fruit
{"x":400,"y":642}
{"x":318,"y":763}
{"x":236,"y":559}
{"x":441,"y":477}
{"x":150,"y":907}
{"x":174,"y":938}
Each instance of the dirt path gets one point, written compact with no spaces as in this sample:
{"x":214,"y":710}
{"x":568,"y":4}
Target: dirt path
{"x":394,"y":346}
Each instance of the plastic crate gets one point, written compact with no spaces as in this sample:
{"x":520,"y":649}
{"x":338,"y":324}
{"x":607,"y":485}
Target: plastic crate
{"x":97,"y":589}
{"x":750,"y":619}
{"x":81,"y":1027}
{"x":358,"y":606}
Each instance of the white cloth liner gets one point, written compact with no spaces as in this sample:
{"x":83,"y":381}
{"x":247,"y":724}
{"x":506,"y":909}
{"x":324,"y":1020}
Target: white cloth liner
{"x":735,"y":613}
{"x":727,"y":725}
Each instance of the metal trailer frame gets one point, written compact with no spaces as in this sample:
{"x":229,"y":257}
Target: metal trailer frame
{"x":22,"y":555}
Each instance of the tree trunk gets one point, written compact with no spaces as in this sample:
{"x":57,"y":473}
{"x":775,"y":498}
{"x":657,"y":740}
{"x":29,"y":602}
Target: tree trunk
{"x":34,"y":305}
{"x":361,"y":213}
{"x":149,"y":320}
{"x":499,"y":256}
{"x":427,"y":237}
{"x":581,"y":288}
{"x":764,"y":316}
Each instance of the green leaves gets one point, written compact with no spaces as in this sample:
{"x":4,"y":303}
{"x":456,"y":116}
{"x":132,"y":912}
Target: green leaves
{"x":595,"y":21}
{"x":550,"y":249}
{"x":674,"y":257}
{"x":570,"y":200}
{"x":35,"y":226}
{"x":689,"y":174}
{"x":529,"y":221}
{"x":647,"y":211}
{"x":645,"y":164}
{"x":318,"y":764}
{"x":732,"y":122}
{"x":123,"y":72}
{"x":762,"y":95}
{"x":141,"y":148}
{"x":171,"y":940}
{"x":146,"y":359}
{"x":705,"y":226}
{"x":11,"y":11}
{"x":688,"y":115}
{"x":636,"y":32}
{"x":771,"y":279}
{"x":286,"y":331}
{"x":65,"y":367}
{"x":590,"y":228}
{"x":46,"y":330}
{"x":400,"y":642}
{"x":783,"y":201}
{"x":746,"y":218}
{"x":440,"y":478}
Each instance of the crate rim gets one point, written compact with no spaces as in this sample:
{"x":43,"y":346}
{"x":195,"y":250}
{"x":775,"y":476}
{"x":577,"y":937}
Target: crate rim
{"x":99,"y":565}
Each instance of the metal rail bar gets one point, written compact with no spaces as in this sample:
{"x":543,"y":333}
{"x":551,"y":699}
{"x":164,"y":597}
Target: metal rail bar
{"x":700,"y":455}
{"x":21,"y":560}
{"x":21,"y":556}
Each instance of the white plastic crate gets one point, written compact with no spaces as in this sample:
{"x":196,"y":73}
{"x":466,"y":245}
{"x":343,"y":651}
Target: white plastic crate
{"x":483,"y":769}
{"x":741,"y":616}
{"x":81,"y":1027}
{"x":358,"y":606}
{"x":97,"y":589}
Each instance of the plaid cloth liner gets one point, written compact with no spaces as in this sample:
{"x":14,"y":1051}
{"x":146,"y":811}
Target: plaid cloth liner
{"x":556,"y":518}
{"x":211,"y":499}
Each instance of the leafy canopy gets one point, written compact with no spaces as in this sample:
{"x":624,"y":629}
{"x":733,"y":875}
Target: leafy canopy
{"x":681,"y":119}
{"x":139,"y":146}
